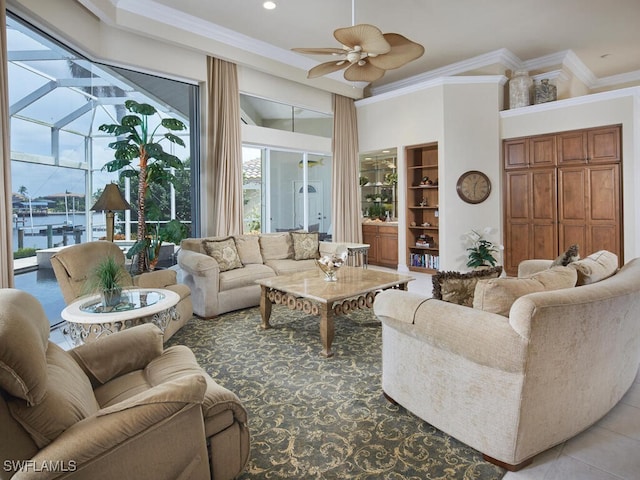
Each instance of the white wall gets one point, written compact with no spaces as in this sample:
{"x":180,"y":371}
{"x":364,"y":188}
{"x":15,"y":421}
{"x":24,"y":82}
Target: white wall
{"x":461,"y":114}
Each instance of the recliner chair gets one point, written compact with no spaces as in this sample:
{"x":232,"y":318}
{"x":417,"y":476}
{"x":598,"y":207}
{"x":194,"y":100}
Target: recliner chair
{"x":120,"y":407}
{"x":73,"y":265}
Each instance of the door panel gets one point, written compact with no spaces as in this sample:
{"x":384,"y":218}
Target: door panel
{"x":572,"y":148}
{"x":604,"y":191}
{"x":604,"y":145}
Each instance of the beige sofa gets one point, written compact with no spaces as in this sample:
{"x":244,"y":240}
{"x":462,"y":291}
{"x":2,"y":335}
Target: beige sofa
{"x":217,"y":289}
{"x":513,"y":386}
{"x":73,"y":266}
{"x":119,"y":407}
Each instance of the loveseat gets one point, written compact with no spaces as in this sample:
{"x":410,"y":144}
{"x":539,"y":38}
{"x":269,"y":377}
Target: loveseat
{"x":119,"y":407}
{"x":516,"y":383}
{"x":221,"y":271}
{"x":74,"y":265}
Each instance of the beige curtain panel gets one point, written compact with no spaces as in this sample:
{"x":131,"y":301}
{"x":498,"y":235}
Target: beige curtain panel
{"x":6,"y":234}
{"x":346,"y":195}
{"x":224,"y":148}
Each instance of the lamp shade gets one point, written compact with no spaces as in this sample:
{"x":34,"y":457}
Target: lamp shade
{"x":111,"y":199}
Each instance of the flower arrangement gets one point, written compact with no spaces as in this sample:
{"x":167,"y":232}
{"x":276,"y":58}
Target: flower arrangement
{"x":481,"y":252}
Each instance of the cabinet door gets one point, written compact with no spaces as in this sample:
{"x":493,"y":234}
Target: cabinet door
{"x":589,"y":208}
{"x":531,"y":230}
{"x":542,"y":151}
{"x":515,"y":153}
{"x":572,"y":147}
{"x":604,"y":209}
{"x":370,"y":236}
{"x":388,"y":246}
{"x":604,"y":145}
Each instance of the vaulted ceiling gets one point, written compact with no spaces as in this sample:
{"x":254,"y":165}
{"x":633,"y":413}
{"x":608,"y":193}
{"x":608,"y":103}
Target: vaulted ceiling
{"x":601,"y":40}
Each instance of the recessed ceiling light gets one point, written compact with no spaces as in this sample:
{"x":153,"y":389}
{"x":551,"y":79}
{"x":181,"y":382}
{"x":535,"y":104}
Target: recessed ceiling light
{"x":269,"y":5}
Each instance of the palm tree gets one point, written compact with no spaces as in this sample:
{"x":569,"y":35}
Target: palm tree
{"x":154,"y":164}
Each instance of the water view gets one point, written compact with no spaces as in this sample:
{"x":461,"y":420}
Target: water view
{"x":62,"y":225}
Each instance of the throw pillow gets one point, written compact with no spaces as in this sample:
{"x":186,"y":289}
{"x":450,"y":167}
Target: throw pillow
{"x":456,"y":287}
{"x":305,"y":245}
{"x":596,"y":267}
{"x":497,"y":295}
{"x":249,"y":249}
{"x":224,"y":252}
{"x":571,"y":255}
{"x":276,"y":246}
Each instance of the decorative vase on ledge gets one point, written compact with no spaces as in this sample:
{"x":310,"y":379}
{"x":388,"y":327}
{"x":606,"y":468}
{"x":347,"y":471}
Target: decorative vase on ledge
{"x":520,"y":87}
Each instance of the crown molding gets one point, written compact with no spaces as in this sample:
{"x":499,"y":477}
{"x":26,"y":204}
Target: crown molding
{"x":501,"y":56}
{"x":431,"y":83}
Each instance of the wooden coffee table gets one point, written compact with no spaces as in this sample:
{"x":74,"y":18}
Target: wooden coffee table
{"x":309,"y":292}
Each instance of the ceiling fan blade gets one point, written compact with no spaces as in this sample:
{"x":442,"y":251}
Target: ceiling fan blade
{"x":363,"y":73}
{"x":402,"y":51}
{"x":321,"y":51}
{"x":325,"y":68}
{"x":367,"y":36}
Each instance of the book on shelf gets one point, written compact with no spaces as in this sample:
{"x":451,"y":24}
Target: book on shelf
{"x":425,"y":260}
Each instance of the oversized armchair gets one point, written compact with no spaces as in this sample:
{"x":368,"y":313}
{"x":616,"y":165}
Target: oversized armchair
{"x":119,"y":407}
{"x":73,"y":265}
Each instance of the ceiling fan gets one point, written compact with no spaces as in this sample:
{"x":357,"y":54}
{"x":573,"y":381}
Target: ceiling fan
{"x":366,"y":52}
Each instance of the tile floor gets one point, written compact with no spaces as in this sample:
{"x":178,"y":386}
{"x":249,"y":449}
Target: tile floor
{"x":609,"y":450}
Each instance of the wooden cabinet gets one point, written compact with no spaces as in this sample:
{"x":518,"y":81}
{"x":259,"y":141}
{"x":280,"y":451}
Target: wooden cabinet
{"x":423,"y":214}
{"x":550,"y":206}
{"x":597,"y":145}
{"x":530,"y":152}
{"x":383,"y":244}
{"x":589,"y":213}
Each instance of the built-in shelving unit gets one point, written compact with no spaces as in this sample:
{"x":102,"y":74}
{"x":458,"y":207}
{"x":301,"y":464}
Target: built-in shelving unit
{"x":423,"y":214}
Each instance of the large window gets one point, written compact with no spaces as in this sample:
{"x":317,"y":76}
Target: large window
{"x":286,"y":190}
{"x":58,"y":99}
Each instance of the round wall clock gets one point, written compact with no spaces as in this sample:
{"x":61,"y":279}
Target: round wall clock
{"x":473,"y":186}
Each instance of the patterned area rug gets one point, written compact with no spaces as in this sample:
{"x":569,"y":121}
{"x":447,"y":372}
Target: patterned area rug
{"x":313,"y":417}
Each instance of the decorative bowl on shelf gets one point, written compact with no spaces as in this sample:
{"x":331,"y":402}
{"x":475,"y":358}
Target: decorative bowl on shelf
{"x":330,"y":264}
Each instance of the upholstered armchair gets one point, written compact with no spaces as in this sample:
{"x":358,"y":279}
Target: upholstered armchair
{"x":119,"y":407}
{"x":73,"y":265}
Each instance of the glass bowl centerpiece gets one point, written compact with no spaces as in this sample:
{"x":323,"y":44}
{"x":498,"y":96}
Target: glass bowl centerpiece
{"x":329,"y":264}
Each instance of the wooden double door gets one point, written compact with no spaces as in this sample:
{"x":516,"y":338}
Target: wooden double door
{"x":562,"y":189}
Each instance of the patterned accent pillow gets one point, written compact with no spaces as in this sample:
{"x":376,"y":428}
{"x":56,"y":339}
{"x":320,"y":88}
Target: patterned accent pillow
{"x":305,"y":245}
{"x":456,"y":287}
{"x":224,"y":252}
{"x":571,"y":255}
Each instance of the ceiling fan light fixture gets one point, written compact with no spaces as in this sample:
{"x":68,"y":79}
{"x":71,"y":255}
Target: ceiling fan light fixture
{"x":368,"y":53}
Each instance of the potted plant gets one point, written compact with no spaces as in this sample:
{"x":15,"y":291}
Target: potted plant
{"x":108,"y":279}
{"x":481,"y":252}
{"x":140,"y":141}
{"x":173,"y":231}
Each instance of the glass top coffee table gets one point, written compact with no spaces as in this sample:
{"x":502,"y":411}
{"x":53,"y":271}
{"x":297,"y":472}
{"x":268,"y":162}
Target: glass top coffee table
{"x":309,"y":292}
{"x":88,"y":319}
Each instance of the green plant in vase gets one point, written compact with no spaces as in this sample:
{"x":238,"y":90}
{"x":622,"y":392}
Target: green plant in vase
{"x":481,"y":253}
{"x":173,"y":232}
{"x":108,"y":278}
{"x":138,"y":141}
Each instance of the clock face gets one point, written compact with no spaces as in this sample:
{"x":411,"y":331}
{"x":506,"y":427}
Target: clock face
{"x":473,"y":187}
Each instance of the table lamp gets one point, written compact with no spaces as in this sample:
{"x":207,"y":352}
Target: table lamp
{"x":110,"y":200}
